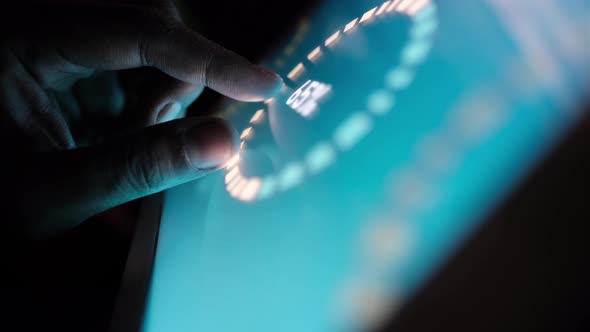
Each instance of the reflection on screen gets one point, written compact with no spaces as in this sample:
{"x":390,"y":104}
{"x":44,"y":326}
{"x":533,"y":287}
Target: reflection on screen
{"x":400,"y":125}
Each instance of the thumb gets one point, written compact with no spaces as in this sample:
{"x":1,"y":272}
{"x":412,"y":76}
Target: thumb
{"x":79,"y":183}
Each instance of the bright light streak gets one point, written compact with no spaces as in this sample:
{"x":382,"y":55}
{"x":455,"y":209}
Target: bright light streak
{"x":257,"y":117}
{"x":231,"y":175}
{"x":382,"y":8}
{"x":368,"y":14}
{"x":296,"y":72}
{"x":332,"y":38}
{"x":250,"y":190}
{"x":246,"y":133}
{"x":315,"y":54}
{"x":234,"y":182}
{"x":404,"y":5}
{"x":232,"y":161}
{"x":239,"y":187}
{"x":350,"y":25}
{"x":393,"y":5}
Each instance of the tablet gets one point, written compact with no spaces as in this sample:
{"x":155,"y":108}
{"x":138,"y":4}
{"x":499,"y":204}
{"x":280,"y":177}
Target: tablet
{"x":401,"y":125}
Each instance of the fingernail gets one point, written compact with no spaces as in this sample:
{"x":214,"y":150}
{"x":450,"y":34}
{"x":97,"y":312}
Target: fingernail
{"x":210,"y":143}
{"x":169,"y":112}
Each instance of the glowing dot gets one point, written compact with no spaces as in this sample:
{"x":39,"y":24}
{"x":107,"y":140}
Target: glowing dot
{"x":380,"y":102}
{"x":314,"y":54}
{"x":427,"y":13}
{"x":399,"y":78}
{"x":424,"y":29}
{"x":368,"y":303}
{"x":247,"y":133}
{"x":393,"y":5}
{"x":332,"y":38}
{"x":350,"y":25}
{"x":368,"y":14}
{"x":320,"y":157}
{"x":352,"y":130}
{"x":382,"y":8}
{"x":296,"y":72}
{"x":387,"y":241}
{"x":231,"y":175}
{"x":267,"y":187}
{"x":477,"y":121}
{"x":250,"y":190}
{"x":416,"y":52}
{"x":405,"y":4}
{"x":437,"y":153}
{"x":291,"y":176}
{"x":257,"y":117}
{"x":412,"y":191}
{"x":417,"y":6}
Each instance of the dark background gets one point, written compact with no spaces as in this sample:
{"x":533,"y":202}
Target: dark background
{"x":526,"y":270}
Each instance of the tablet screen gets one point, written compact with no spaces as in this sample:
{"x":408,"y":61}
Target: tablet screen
{"x":400,"y":126}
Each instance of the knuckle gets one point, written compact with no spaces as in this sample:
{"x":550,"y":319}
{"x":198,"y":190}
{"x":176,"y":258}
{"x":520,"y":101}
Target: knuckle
{"x":141,"y":169}
{"x":146,"y":171}
{"x":214,"y":56}
{"x":160,"y":28}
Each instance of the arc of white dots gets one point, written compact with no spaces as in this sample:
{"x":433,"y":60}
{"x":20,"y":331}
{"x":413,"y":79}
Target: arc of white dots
{"x":356,"y":126}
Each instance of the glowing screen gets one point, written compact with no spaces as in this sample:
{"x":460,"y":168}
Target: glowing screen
{"x":400,"y":125}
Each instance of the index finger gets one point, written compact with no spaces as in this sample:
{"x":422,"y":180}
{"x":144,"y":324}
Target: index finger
{"x":126,"y":40}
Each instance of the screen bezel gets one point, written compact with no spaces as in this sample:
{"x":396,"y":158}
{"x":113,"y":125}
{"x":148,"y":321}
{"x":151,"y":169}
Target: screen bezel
{"x":131,"y":301}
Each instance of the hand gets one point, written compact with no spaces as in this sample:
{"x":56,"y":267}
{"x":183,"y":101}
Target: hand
{"x":81,"y":80}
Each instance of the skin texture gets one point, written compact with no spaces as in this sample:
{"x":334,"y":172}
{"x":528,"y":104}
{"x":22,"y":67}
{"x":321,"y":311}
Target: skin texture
{"x":92,"y":102}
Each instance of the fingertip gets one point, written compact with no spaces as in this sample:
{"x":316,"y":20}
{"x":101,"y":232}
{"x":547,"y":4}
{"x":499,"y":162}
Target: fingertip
{"x":210,"y":143}
{"x":246,"y":82}
{"x":275,"y":81}
{"x":267,"y":84}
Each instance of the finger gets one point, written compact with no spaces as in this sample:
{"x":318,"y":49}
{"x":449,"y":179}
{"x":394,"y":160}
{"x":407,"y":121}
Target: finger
{"x":200,"y":61}
{"x":77,"y":184}
{"x":134,"y":39}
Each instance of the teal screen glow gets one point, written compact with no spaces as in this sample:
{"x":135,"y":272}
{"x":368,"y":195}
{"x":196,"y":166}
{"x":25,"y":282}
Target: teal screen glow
{"x":400,"y":126}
